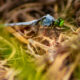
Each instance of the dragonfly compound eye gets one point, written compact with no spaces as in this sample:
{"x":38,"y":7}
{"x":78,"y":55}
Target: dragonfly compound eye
{"x":59,"y":22}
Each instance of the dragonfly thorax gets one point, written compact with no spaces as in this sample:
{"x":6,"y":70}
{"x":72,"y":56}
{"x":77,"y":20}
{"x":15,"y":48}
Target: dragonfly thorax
{"x":47,"y":20}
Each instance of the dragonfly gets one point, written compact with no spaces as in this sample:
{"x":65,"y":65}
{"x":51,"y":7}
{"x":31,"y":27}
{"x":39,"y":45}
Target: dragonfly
{"x":46,"y":20}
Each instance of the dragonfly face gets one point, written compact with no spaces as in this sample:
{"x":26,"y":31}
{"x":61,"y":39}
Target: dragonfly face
{"x":59,"y":22}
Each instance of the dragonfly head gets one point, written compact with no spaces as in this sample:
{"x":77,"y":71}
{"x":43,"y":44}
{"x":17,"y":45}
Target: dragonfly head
{"x":59,"y":22}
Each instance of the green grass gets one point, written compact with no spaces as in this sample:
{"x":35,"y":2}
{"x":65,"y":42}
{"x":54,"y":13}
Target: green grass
{"x":15,"y":56}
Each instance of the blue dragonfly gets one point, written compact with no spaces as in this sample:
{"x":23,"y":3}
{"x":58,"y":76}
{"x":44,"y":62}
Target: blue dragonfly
{"x":47,"y":20}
